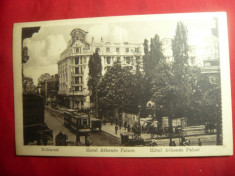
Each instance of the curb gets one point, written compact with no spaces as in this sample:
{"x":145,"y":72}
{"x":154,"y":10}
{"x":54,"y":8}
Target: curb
{"x":111,"y":134}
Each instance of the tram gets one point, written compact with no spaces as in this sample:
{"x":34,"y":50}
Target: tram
{"x":76,"y":121}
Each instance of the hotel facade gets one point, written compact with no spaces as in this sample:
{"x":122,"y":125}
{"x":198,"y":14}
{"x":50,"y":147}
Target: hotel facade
{"x":73,"y":70}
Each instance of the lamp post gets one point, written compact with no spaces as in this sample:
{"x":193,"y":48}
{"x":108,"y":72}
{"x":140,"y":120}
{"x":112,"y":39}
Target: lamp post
{"x":72,"y":90}
{"x":214,"y":80}
{"x":97,"y":96}
{"x":139,"y":115}
{"x":96,"y":104}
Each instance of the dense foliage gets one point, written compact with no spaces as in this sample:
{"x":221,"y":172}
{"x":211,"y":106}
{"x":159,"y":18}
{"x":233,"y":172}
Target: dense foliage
{"x":176,"y":88}
{"x":95,"y":69}
{"x":120,"y":89}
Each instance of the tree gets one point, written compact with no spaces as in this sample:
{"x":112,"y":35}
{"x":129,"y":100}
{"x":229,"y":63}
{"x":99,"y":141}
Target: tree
{"x":206,"y":99}
{"x":152,"y":56}
{"x":171,"y":83}
{"x":95,"y":73}
{"x":146,"y":57}
{"x":95,"y":68}
{"x":181,"y":70}
{"x":180,"y":45}
{"x":119,"y":90}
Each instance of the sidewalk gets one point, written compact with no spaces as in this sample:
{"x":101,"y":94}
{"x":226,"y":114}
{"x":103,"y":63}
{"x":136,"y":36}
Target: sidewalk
{"x":108,"y":128}
{"x":60,"y":111}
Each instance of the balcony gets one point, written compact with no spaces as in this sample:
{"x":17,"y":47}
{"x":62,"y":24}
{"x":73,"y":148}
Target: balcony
{"x":76,"y":93}
{"x":78,"y":74}
{"x":77,"y":84}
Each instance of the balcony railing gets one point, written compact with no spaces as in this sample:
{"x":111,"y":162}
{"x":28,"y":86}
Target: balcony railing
{"x":76,"y":93}
{"x":77,"y":84}
{"x":78,"y":74}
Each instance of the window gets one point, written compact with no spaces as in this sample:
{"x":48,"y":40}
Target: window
{"x":76,"y":60}
{"x":127,"y":50}
{"x":137,"y":50}
{"x":76,"y":70}
{"x":85,"y":122}
{"x":117,"y":50}
{"x":118,"y":59}
{"x":78,"y":80}
{"x":107,"y":49}
{"x":108,"y":59}
{"x":77,"y":88}
{"x":128,"y":60}
{"x":78,"y":50}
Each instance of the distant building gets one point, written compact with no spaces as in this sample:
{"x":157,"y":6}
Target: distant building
{"x":28,"y":86}
{"x":211,"y":66}
{"x":53,"y":87}
{"x":211,"y":63}
{"x":73,"y":67}
{"x":49,"y":87}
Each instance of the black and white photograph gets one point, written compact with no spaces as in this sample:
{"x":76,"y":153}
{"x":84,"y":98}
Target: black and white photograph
{"x":129,"y":86}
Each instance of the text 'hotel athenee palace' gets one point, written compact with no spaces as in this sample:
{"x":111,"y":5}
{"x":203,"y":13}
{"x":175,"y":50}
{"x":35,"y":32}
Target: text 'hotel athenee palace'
{"x":73,"y":67}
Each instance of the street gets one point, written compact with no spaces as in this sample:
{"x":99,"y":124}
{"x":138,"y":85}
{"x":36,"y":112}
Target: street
{"x":108,"y":137}
{"x":191,"y":133}
{"x":55,"y":121}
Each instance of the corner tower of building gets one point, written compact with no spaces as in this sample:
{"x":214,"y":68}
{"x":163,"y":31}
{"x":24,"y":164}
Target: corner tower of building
{"x":73,"y":71}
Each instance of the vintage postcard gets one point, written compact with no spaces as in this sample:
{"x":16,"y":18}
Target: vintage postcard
{"x":128,"y":86}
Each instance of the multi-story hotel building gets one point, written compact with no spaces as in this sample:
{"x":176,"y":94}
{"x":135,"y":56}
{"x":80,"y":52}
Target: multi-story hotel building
{"x":73,"y":67}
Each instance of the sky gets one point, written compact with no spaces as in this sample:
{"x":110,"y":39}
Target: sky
{"x":45,"y":47}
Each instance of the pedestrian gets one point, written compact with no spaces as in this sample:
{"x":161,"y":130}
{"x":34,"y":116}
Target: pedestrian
{"x":125,"y":125}
{"x":120,"y":125}
{"x":153,"y":143}
{"x":172,"y":143}
{"x":77,"y":138}
{"x":44,"y":138}
{"x":206,"y":127}
{"x":129,"y":128}
{"x":116,"y":128}
{"x":199,"y":142}
{"x":182,"y":142}
{"x":111,"y":120}
{"x":88,"y":143}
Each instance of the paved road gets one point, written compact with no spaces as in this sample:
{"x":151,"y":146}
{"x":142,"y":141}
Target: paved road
{"x":108,"y":137}
{"x":192,"y":133}
{"x":55,"y":122}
